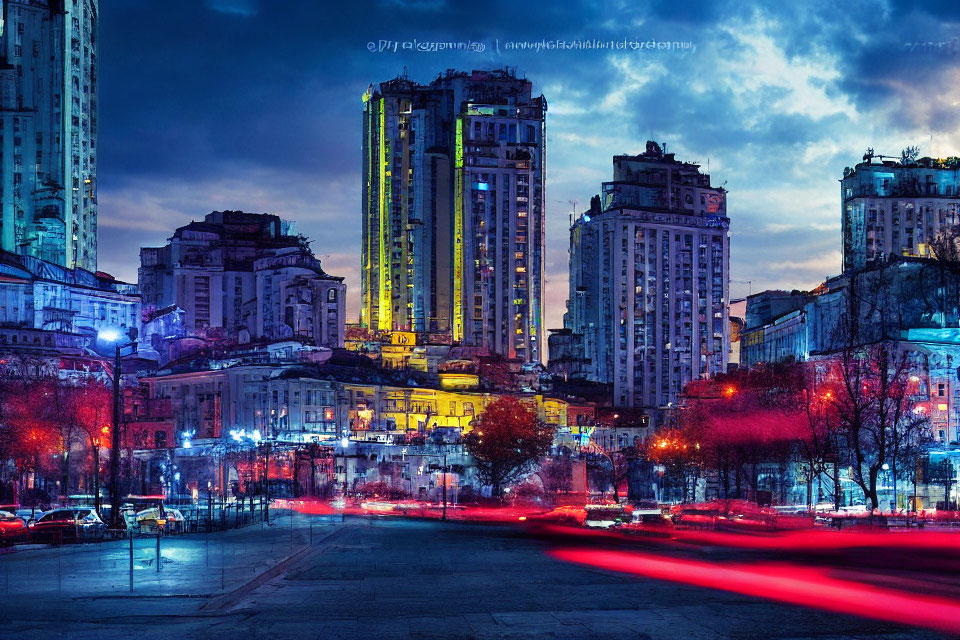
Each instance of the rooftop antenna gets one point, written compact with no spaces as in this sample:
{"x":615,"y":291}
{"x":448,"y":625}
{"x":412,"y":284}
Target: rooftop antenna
{"x":749,"y":284}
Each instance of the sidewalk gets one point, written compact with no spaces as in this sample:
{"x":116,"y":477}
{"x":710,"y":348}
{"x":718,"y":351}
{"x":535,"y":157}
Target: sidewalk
{"x":191,"y":565}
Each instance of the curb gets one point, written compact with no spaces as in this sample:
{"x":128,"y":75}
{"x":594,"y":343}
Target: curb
{"x":221,"y":602}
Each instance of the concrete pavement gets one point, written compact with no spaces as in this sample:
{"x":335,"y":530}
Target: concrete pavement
{"x":386,"y":578}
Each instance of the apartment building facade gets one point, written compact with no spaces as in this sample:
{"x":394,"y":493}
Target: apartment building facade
{"x":896,"y":207}
{"x":248,"y":276}
{"x":649,"y":281}
{"x":453,"y":210}
{"x":48,"y":130}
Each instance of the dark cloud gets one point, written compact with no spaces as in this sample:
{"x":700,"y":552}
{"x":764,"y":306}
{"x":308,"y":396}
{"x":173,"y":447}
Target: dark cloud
{"x":256,"y":105}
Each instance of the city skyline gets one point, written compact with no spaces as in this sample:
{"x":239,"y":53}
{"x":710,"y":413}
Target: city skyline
{"x":378,"y":341}
{"x":779,"y":103}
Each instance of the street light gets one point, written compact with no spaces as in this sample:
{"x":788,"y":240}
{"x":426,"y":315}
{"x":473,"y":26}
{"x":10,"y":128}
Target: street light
{"x":344,"y":445}
{"x":114,"y":337}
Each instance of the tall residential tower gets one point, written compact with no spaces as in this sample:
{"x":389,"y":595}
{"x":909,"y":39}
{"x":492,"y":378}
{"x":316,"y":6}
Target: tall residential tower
{"x":48,"y":130}
{"x":453,"y":210}
{"x":649,"y":281}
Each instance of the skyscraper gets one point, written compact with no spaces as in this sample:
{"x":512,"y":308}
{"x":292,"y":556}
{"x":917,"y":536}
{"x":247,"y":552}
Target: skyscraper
{"x":453,"y":210}
{"x":48,"y":130}
{"x":896,"y":207}
{"x":649,"y":281}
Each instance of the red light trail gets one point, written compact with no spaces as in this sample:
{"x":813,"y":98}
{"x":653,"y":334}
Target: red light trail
{"x":805,"y":586}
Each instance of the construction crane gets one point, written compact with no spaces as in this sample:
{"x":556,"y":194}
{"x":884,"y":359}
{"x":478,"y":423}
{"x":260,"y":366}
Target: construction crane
{"x":749,"y":284}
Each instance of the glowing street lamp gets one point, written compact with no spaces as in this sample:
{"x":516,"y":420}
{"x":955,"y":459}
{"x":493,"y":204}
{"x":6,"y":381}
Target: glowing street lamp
{"x":111,"y":336}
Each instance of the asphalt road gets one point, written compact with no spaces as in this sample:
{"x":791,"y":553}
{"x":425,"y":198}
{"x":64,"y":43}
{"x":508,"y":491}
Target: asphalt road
{"x":375,"y":579}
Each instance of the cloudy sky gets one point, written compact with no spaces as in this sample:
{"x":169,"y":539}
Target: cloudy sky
{"x":255,"y":105}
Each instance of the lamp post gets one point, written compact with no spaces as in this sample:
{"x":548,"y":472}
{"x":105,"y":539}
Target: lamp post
{"x":96,"y":473}
{"x":115,"y":337}
{"x":344,"y":444}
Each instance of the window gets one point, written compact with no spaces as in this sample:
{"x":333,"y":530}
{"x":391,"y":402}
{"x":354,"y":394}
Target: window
{"x":331,"y":295}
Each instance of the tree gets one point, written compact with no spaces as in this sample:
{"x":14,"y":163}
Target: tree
{"x":877,"y":417}
{"x":556,"y":475}
{"x":675,"y":448}
{"x":507,"y":439}
{"x":734,"y":426}
{"x":89,"y":407}
{"x":29,"y":433}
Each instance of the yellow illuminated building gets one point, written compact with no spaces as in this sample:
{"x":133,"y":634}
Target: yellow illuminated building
{"x":373,"y":409}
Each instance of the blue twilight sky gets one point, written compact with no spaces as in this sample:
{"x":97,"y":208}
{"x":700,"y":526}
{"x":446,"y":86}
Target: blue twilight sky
{"x":255,"y":105}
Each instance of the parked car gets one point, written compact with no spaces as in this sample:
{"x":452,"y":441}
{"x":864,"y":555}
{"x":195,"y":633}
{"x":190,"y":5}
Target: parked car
{"x":12,"y":529}
{"x":69,"y":524}
{"x":696,"y":516}
{"x":29,"y":514}
{"x":651,"y":519}
{"x":564,"y":515}
{"x":167,"y":520}
{"x":604,"y":516}
{"x":854,"y":509}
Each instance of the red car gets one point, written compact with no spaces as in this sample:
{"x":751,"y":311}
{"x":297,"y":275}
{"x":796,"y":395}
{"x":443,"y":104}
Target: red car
{"x":70,"y":523}
{"x":12,"y":529}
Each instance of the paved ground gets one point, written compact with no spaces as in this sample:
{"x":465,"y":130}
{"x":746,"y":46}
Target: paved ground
{"x":374,"y":579}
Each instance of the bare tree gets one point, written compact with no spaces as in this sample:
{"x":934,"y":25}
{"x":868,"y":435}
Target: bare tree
{"x":879,"y":422}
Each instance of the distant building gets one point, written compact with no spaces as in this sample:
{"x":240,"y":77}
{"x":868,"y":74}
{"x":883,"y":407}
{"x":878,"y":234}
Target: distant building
{"x":244,"y":276}
{"x":206,"y":416}
{"x":738,"y":315}
{"x":649,"y":281}
{"x":896,"y":207}
{"x":48,"y":130}
{"x":48,"y":298}
{"x":775,"y":328}
{"x":910,"y":303}
{"x":453,"y":210}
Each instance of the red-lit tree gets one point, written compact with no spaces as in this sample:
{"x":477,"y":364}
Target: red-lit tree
{"x":506,"y":440}
{"x":89,"y":407}
{"x":733,"y":426}
{"x":29,"y":436}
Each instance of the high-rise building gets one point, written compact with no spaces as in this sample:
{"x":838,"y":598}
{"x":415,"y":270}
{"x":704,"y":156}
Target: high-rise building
{"x":649,"y":281}
{"x":247,"y":276}
{"x":453,"y":210}
{"x":896,"y":207}
{"x":48,"y":130}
